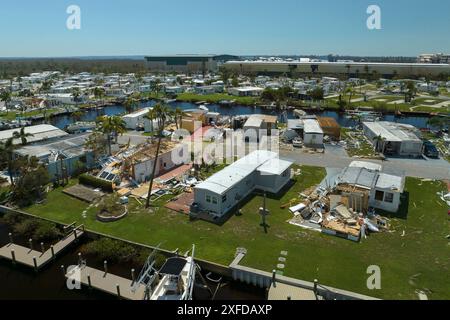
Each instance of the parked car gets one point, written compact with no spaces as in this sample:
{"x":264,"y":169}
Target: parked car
{"x":430,"y":150}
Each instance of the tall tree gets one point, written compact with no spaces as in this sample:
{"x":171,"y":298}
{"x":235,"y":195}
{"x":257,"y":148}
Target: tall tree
{"x":160,"y":114}
{"x":22,"y":135}
{"x":6,"y":155}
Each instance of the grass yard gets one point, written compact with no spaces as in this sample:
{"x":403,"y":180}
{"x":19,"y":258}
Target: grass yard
{"x":215,"y":98}
{"x":418,"y":260}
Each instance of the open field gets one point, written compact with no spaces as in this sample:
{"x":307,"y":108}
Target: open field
{"x":418,"y":260}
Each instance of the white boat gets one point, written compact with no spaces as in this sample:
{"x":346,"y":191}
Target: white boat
{"x":174,"y":281}
{"x":203,"y":107}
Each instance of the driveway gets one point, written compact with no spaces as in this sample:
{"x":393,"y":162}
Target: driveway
{"x":332,"y":158}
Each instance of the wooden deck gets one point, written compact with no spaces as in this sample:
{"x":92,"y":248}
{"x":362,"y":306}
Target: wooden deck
{"x":105,"y":282}
{"x":37,"y":259}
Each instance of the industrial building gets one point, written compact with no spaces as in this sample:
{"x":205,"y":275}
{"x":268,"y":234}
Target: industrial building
{"x":39,"y":133}
{"x":348,"y":68}
{"x":394,"y":139}
{"x":62,"y":156}
{"x":187,"y":63}
{"x":260,"y":170}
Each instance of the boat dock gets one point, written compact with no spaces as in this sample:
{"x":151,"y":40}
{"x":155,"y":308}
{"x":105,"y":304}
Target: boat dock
{"x":106,"y":282}
{"x":38,"y":259}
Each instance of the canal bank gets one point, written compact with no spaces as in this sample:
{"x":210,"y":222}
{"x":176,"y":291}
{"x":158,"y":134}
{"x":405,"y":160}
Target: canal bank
{"x":21,"y":282}
{"x":62,"y":121}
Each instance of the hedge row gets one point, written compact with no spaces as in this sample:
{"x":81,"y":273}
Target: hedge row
{"x":95,"y":182}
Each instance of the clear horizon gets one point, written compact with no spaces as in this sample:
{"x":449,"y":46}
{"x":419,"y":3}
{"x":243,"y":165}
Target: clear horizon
{"x":288,"y":27}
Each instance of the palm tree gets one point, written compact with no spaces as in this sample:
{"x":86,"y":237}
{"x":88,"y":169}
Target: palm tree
{"x":350,"y":92}
{"x":160,"y":114}
{"x":7,"y":152}
{"x":5,"y":96}
{"x":178,"y":115}
{"x":22,"y":135}
{"x":119,"y":126}
{"x":76,"y":93}
{"x":379,"y":143}
{"x":105,"y":127}
{"x":111,"y":125}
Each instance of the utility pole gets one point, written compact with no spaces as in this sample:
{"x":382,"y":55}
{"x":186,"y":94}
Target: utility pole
{"x":264,"y":212}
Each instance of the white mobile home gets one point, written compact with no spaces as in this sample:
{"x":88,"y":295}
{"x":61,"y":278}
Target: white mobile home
{"x":312,"y":133}
{"x":396,"y":139}
{"x":135,"y":119}
{"x":261,"y":170}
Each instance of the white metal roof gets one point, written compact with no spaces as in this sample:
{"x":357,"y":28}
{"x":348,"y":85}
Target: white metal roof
{"x":137,"y":114}
{"x":393,"y":131}
{"x":388,"y":181}
{"x":367,"y":165}
{"x":274,"y":167}
{"x":253,"y":122}
{"x":312,"y":126}
{"x":224,"y":180}
{"x":39,"y":132}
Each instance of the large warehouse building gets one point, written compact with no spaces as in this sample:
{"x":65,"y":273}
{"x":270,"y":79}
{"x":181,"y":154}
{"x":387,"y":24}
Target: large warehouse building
{"x":187,"y":63}
{"x":353,"y":69}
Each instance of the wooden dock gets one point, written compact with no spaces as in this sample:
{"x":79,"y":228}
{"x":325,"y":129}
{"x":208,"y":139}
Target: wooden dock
{"x":37,"y":259}
{"x":105,"y":282}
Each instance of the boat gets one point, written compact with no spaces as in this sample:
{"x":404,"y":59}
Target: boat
{"x":173,"y":281}
{"x":79,"y":127}
{"x":203,"y":107}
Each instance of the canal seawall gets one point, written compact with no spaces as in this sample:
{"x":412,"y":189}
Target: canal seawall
{"x":234,"y":271}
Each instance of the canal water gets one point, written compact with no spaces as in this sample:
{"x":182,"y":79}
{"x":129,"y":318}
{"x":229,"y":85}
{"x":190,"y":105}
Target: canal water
{"x":21,"y":283}
{"x":91,"y":115}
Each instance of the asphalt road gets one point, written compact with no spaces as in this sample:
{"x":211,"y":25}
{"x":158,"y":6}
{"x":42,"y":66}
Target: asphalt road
{"x":420,"y":168}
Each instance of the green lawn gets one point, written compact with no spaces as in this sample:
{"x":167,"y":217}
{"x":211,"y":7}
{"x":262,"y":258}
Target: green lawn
{"x":12,"y":115}
{"x":214,"y":98}
{"x":419,"y":260}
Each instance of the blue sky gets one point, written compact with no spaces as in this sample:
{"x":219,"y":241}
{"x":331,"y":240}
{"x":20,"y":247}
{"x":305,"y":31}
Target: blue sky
{"x":139,"y":27}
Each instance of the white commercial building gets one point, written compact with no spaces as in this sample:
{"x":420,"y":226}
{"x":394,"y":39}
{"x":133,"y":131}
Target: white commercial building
{"x":260,"y":170}
{"x":396,"y":139}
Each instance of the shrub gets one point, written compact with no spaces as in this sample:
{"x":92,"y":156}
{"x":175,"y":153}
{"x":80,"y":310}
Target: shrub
{"x":95,"y":182}
{"x":38,"y":230}
{"x":11,"y":218}
{"x":111,"y":205}
{"x":111,"y":250}
{"x":26,"y":227}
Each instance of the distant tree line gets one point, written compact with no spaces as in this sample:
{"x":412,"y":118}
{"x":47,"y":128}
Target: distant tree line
{"x":22,"y":67}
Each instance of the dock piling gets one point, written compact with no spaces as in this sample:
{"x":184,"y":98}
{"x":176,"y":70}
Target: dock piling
{"x":52,"y":248}
{"x":105,"y":267}
{"x":35,"y":264}
{"x":118,"y":289}
{"x":79,"y":259}
{"x":30,"y":241}
{"x":42,"y":248}
{"x":63,"y":270}
{"x":316,"y":282}
{"x":133,"y":276}
{"x":274,"y":276}
{"x":89,"y":281}
{"x":75,"y":233}
{"x":13,"y":256}
{"x":11,"y":240}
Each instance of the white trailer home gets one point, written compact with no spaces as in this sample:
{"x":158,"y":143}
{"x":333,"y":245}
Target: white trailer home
{"x":260,"y":170}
